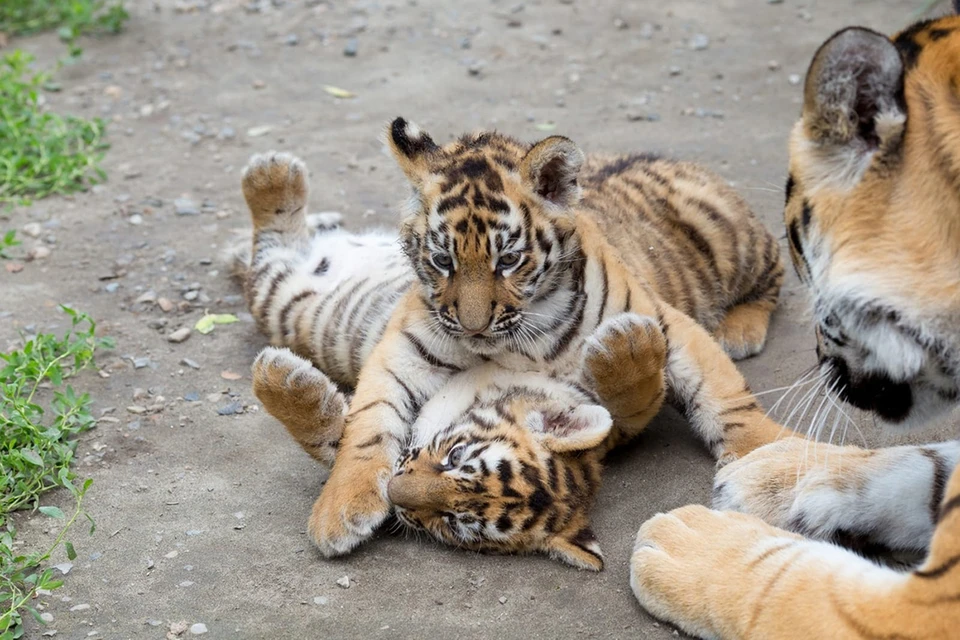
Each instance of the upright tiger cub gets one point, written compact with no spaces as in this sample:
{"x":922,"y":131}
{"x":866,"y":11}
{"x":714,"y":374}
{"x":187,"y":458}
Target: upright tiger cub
{"x":520,"y":253}
{"x":873,"y":221}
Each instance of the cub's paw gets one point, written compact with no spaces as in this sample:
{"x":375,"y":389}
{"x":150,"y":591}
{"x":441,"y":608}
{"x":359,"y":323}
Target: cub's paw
{"x":303,"y":399}
{"x":743,"y":331}
{"x":623,"y":353}
{"x":275,"y":188}
{"x":693,"y":566}
{"x":351,"y":507}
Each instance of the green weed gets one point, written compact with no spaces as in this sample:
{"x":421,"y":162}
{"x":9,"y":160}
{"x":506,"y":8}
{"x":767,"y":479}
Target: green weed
{"x":37,"y":445}
{"x":71,"y":18}
{"x":8,"y":241}
{"x":42,"y":153}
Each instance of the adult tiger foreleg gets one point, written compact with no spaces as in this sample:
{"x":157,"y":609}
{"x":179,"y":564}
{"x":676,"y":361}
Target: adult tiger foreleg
{"x":729,"y":575}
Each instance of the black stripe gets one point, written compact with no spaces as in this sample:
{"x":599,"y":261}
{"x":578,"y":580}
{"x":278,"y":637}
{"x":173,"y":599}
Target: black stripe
{"x":604,"y":290}
{"x":372,"y":442}
{"x":376,"y":403}
{"x":287,"y":308}
{"x":948,"y":507}
{"x":749,"y":406}
{"x":940,"y":474}
{"x":938,"y":571}
{"x":275,"y":282}
{"x":412,"y":403}
{"x":426,"y":355}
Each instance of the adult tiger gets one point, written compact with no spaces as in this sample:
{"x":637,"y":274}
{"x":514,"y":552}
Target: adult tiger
{"x":511,"y":267}
{"x":873,"y":220}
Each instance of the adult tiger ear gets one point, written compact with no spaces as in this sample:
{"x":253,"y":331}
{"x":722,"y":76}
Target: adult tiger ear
{"x":579,"y":549}
{"x":550,"y":170}
{"x":412,"y":148}
{"x":853,"y":96}
{"x":570,"y":429}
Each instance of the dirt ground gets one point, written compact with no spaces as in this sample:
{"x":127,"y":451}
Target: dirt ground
{"x":201,"y":516}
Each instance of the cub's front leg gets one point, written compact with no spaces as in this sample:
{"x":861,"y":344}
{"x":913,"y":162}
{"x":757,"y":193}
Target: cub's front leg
{"x":399,"y":376}
{"x":623,"y":361}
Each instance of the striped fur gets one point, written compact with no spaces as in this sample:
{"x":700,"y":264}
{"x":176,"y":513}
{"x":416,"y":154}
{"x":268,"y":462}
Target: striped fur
{"x":512,"y":269}
{"x":873,"y":219}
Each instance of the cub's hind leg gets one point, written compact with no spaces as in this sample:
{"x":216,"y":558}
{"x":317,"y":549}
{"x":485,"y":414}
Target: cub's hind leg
{"x":743,"y":330}
{"x":623,"y":361}
{"x":304,"y":400}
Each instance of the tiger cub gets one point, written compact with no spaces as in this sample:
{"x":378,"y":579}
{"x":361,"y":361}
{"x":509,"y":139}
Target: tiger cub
{"x":873,"y":221}
{"x":510,"y":267}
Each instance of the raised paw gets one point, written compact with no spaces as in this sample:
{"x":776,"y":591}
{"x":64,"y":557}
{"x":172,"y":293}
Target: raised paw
{"x":351,"y":507}
{"x":275,"y":188}
{"x":840,"y":494}
{"x":624,"y":362}
{"x":303,"y":399}
{"x":694,"y":567}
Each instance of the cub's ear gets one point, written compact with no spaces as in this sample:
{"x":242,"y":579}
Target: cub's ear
{"x":580,"y":549}
{"x":575,"y":429}
{"x":411,"y":148}
{"x":853,"y":95}
{"x":550,"y":170}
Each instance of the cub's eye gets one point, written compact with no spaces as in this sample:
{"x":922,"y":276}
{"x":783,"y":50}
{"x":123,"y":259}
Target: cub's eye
{"x":442,"y":260}
{"x":456,"y":455}
{"x":508,"y":260}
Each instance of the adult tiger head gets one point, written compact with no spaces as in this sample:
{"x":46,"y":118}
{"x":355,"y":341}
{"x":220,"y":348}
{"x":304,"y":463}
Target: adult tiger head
{"x":873,"y":216}
{"x":489,"y":231}
{"x":515,"y":471}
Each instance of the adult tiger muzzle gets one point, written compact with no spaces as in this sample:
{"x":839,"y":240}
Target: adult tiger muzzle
{"x":419,"y":492}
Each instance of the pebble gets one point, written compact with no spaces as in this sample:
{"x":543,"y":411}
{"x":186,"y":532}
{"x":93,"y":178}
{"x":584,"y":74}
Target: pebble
{"x":699,"y":42}
{"x":320,"y":600}
{"x":503,"y":600}
{"x":47,"y":617}
{"x":179,"y":335}
{"x":170,"y":556}
{"x":646,"y":31}
{"x":190,"y":363}
{"x":193,"y":396}
{"x":165,"y":305}
{"x":185,"y":207}
{"x":112,"y":287}
{"x":773,"y":65}
{"x":620,"y":23}
{"x":231,"y":409}
{"x":191,"y":295}
{"x":633,"y":116}
{"x":344,"y":582}
{"x":198,"y":629}
{"x":675,"y":71}
{"x":148,"y":297}
{"x":38,"y":253}
{"x":79,"y":607}
{"x":350,"y":49}
{"x":793,"y":79}
{"x":32,"y":229}
{"x":259,"y":84}
{"x":292,"y":40}
{"x":136,"y":219}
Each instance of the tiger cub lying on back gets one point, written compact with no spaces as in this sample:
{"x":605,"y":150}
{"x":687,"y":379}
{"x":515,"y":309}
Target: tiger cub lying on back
{"x":513,"y":269}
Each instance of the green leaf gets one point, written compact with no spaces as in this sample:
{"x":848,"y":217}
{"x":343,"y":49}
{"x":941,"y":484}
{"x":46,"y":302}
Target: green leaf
{"x":32,"y":457}
{"x":206,"y":324}
{"x":53,"y":512}
{"x":71,"y":553}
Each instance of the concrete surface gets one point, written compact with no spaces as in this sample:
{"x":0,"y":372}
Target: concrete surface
{"x":201,"y":517}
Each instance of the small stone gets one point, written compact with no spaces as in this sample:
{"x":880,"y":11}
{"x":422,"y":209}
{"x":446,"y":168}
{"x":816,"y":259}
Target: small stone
{"x":194,"y":532}
{"x":112,"y":287}
{"x":140,"y":363}
{"x":38,"y":253}
{"x":646,"y":31}
{"x":79,"y":607}
{"x":292,"y":40}
{"x":193,"y":396}
{"x":344,"y":582}
{"x":47,"y":617}
{"x":620,"y":23}
{"x":113,"y":91}
{"x":773,"y":65}
{"x":198,"y":629}
{"x":186,"y":583}
{"x":465,"y":43}
{"x":32,"y":229}
{"x":350,"y":48}
{"x":190,"y":296}
{"x":136,"y":219}
{"x":793,"y":79}
{"x":256,"y":132}
{"x":190,"y":363}
{"x":675,"y":71}
{"x":227,"y":133}
{"x":774,"y":1}
{"x":635,"y":116}
{"x":502,"y":600}
{"x":230,"y":375}
{"x":179,"y":335}
{"x":475,"y":69}
{"x":699,"y":42}
{"x":170,"y":556}
{"x":178,"y":628}
{"x":13,"y":267}
{"x":231,"y":409}
{"x":150,"y":564}
{"x":165,"y":305}
{"x":185,"y":207}
{"x":259,"y":84}
{"x":148,"y":297}
{"x":320,"y":600}
{"x":137,"y":409}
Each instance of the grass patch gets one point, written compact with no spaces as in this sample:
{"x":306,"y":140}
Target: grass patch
{"x":8,"y":241}
{"x":71,"y":18}
{"x":42,"y":153}
{"x":37,"y":445}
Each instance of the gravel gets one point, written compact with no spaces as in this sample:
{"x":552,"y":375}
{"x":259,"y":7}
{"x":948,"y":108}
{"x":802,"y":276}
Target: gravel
{"x":179,"y":335}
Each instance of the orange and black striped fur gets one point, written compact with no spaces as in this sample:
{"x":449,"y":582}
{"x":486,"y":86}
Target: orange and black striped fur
{"x":873,"y":221}
{"x":521,"y":254}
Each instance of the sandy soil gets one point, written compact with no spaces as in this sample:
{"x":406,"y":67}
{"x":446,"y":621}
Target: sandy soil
{"x":201,"y":517}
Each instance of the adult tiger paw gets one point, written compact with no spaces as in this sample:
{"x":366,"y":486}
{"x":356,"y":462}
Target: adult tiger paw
{"x":350,"y":508}
{"x":693,"y":567}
